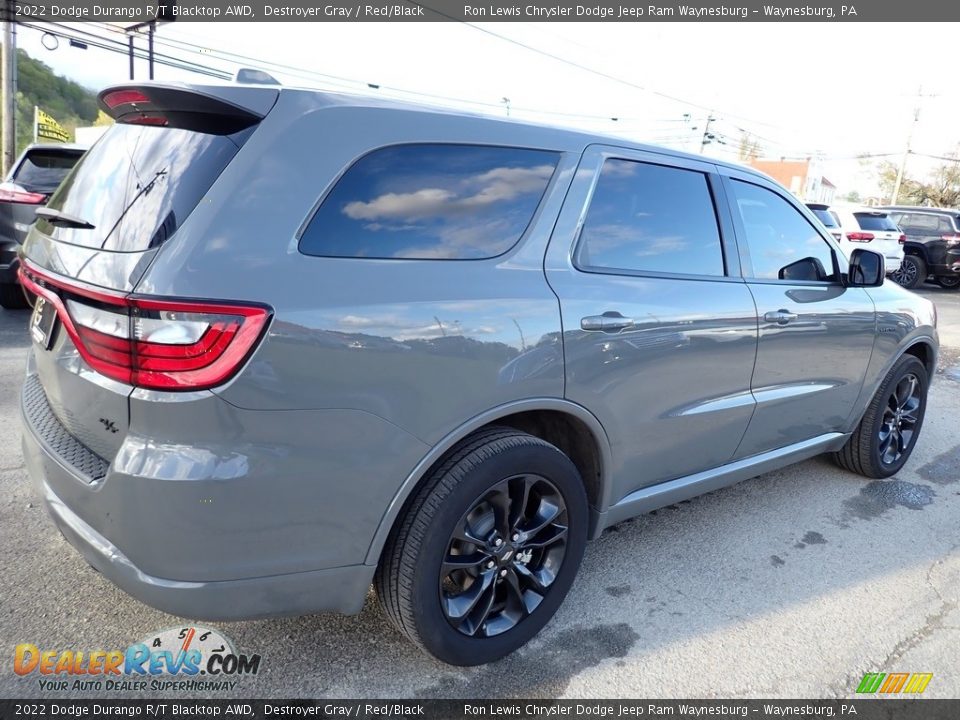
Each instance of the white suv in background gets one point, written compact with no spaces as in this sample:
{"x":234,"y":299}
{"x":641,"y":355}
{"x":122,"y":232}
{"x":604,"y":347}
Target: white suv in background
{"x":857,"y":226}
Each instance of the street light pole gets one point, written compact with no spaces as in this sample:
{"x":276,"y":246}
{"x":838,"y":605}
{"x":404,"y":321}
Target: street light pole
{"x":8,"y":101}
{"x":707,"y":137}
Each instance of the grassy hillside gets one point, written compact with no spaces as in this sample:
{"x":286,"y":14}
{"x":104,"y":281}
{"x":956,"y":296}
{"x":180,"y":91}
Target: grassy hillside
{"x":70,"y":103}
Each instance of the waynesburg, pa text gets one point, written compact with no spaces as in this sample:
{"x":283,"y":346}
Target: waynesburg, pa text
{"x":626,"y":12}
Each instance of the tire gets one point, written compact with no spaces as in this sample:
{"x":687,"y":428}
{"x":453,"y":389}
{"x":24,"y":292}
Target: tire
{"x":912,"y":272}
{"x":866,"y":451}
{"x":949,"y":282}
{"x":413,"y":582}
{"x":12,"y":297}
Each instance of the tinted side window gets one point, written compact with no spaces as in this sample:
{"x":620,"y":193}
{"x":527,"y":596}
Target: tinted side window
{"x":922,"y":223}
{"x":779,"y":236}
{"x":875,"y":221}
{"x":462,"y":202}
{"x":651,"y":218}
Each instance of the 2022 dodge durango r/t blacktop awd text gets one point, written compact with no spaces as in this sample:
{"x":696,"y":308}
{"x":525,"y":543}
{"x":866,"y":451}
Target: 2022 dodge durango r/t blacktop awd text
{"x":288,"y":344}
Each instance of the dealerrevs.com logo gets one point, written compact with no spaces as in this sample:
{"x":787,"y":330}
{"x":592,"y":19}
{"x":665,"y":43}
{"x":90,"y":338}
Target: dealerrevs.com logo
{"x":183,"y":659}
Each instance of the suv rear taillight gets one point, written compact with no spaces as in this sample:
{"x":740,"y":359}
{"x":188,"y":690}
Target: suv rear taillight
{"x":902,"y":239}
{"x":951,"y":239}
{"x":13,"y":193}
{"x":863,"y":237}
{"x":152,"y":342}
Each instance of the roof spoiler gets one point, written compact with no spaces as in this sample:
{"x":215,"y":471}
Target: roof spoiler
{"x":189,"y":108}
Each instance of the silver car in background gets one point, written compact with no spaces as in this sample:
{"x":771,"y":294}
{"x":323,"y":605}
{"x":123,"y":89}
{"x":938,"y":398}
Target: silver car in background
{"x":288,"y":344}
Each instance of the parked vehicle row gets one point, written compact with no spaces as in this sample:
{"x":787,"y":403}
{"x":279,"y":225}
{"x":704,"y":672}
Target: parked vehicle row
{"x":919,"y":243}
{"x":437,"y":358}
{"x":855,"y":226}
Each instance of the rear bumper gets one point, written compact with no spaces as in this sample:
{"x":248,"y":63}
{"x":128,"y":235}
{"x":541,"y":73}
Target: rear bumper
{"x":340,"y":589}
{"x":276,"y":535}
{"x":333,"y":590}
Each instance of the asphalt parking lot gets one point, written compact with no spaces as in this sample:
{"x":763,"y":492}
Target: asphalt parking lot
{"x":793,"y":584}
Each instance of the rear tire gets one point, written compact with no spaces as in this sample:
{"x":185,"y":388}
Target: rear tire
{"x":12,"y":297}
{"x":501,"y":520}
{"x":949,"y":282}
{"x":888,"y":431}
{"x":912,"y":272}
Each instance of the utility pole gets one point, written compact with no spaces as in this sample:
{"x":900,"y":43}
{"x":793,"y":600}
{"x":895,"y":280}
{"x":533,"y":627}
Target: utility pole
{"x":707,"y":135}
{"x":8,"y":97}
{"x":903,"y":162}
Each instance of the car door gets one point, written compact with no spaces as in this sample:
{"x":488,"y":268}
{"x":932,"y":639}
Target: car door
{"x":816,"y":335}
{"x":659,"y":329}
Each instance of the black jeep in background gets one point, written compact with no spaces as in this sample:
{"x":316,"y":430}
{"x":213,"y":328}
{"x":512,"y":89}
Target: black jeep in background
{"x":932,"y":247}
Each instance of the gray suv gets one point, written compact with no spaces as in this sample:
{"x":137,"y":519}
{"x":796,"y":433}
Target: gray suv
{"x":288,"y":344}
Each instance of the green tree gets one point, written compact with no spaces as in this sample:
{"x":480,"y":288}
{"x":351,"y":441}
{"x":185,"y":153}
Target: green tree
{"x":68,"y":102}
{"x":940,"y":189}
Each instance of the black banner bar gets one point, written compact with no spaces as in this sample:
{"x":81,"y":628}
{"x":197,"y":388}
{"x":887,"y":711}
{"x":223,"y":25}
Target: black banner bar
{"x":137,"y":12}
{"x":118,"y":709}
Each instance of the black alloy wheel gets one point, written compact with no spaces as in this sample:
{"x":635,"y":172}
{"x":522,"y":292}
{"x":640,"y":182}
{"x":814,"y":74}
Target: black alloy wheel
{"x":887,"y":433}
{"x":486,"y":549}
{"x":503,"y":556}
{"x":900,"y":418}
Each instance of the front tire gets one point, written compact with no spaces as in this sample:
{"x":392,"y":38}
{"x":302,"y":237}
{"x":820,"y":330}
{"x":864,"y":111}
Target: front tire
{"x":912,"y":272}
{"x":948,"y":282}
{"x":487,"y":549}
{"x":888,"y":431}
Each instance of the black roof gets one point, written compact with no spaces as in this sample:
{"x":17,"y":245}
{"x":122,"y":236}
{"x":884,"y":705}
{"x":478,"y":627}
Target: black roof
{"x":922,"y":209}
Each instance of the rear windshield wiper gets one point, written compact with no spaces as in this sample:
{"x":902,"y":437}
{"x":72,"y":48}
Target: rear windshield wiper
{"x":58,"y":217}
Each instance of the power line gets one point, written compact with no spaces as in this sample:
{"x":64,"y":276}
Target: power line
{"x":109,"y":45}
{"x":594,"y":71}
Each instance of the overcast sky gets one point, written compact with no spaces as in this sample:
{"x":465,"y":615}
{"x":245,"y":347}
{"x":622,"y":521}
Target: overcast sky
{"x":800,"y":88}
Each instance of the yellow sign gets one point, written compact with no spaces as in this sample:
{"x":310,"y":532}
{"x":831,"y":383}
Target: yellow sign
{"x":46,"y":128}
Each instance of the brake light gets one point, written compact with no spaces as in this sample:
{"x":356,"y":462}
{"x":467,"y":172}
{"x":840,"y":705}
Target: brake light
{"x":152,"y":342}
{"x":951,"y":239}
{"x":124,"y":97}
{"x":863,"y":237}
{"x":903,"y":239}
{"x":9,"y":192}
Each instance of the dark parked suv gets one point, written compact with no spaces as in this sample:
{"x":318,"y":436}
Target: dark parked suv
{"x":35,"y":175}
{"x":288,"y":344}
{"x":932,"y":247}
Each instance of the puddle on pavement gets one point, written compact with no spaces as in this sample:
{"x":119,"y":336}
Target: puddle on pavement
{"x":879,"y":496}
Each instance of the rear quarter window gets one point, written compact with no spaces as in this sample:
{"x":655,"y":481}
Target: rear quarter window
{"x":431,"y":201}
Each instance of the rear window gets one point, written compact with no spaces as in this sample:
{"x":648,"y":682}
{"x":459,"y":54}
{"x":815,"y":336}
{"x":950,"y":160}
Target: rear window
{"x":827,"y":218}
{"x":431,"y":201}
{"x":42,"y":171}
{"x":137,"y":184}
{"x":871,"y":221}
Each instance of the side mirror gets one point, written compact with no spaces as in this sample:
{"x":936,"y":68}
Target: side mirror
{"x":866,"y":269}
{"x":809,"y":269}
